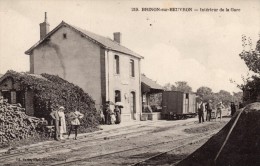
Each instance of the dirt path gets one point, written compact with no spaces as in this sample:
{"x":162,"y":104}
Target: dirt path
{"x":118,"y":145}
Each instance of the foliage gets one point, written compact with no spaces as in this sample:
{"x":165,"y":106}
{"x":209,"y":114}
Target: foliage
{"x":223,"y":96}
{"x":156,"y":99}
{"x":237,"y":96}
{"x":252,"y":90}
{"x":183,"y":86}
{"x":169,"y":87}
{"x":52,"y":91}
{"x":205,"y":93}
{"x":179,"y":86}
{"x":251,"y":58}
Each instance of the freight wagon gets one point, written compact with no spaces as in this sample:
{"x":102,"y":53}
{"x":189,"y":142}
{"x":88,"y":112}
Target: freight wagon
{"x":178,"y":105}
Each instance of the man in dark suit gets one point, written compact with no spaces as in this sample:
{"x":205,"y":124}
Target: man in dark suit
{"x":208,"y":107}
{"x":201,"y":109}
{"x":233,"y":108}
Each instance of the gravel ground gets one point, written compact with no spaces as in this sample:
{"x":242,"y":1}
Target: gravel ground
{"x":128,"y":143}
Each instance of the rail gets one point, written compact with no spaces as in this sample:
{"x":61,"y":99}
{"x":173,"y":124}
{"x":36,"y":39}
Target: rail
{"x":175,"y":148}
{"x":224,"y":143}
{"x":43,"y":149}
{"x":135,"y":148}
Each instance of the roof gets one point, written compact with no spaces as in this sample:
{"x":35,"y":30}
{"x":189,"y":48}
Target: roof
{"x":101,"y":40}
{"x":150,"y":83}
{"x":13,"y":74}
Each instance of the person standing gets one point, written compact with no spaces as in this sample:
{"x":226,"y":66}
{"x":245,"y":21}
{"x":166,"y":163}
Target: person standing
{"x":55,"y":116}
{"x":101,"y":114}
{"x":62,"y":122}
{"x":233,"y":108}
{"x":112,"y":117}
{"x":240,"y":105}
{"x":220,"y":107}
{"x":208,"y":108}
{"x":118,"y":115}
{"x":201,"y":112}
{"x":105,"y":114}
{"x":108,"y":114}
{"x":74,"y":120}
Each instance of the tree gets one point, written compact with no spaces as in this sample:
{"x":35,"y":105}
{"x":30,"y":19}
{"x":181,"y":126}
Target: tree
{"x":205,"y":92}
{"x":223,"y":96}
{"x":179,"y":86}
{"x":237,"y":97}
{"x":183,"y":86}
{"x":169,"y":87}
{"x":251,"y":58}
{"x":251,"y":88}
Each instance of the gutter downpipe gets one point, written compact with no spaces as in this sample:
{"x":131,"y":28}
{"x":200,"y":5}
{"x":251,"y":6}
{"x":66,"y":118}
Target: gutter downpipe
{"x":140,"y":90}
{"x":107,"y":76}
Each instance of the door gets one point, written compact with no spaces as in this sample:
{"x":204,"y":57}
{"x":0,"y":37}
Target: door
{"x":133,"y":105}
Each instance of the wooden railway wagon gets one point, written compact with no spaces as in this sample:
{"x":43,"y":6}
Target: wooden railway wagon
{"x":178,"y":105}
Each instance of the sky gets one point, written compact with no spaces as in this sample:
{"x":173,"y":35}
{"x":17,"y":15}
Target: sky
{"x":201,"y":48}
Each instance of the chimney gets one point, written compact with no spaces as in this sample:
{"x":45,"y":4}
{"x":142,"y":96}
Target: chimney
{"x":117,"y":37}
{"x":44,"y":27}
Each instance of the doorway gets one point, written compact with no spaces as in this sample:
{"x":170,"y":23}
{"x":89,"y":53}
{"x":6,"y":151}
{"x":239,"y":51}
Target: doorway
{"x":133,"y":105}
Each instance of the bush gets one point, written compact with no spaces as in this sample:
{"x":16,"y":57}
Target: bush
{"x":51,"y":91}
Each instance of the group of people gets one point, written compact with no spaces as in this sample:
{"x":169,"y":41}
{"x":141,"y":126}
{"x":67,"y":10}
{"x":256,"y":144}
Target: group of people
{"x":60,"y":122}
{"x":109,"y":116}
{"x":208,"y":107}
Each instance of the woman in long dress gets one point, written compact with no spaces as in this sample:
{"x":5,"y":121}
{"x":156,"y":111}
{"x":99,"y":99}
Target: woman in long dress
{"x":112,"y":117}
{"x":62,"y":122}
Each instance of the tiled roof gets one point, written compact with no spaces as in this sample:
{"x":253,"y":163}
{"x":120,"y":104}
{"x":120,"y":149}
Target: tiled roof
{"x":101,"y":40}
{"x":152,"y":84}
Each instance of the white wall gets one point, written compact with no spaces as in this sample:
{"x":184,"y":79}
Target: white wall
{"x":124,"y":82}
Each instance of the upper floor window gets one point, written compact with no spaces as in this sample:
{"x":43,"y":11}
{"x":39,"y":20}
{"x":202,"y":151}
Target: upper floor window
{"x":132,"y":68}
{"x":64,"y":36}
{"x":116,"y":65}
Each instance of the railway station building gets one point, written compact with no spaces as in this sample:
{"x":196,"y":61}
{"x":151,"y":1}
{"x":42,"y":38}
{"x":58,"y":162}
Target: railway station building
{"x":102,"y":67}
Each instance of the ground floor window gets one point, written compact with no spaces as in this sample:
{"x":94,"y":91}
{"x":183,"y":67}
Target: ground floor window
{"x":117,"y":96}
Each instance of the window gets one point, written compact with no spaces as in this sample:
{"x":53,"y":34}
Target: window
{"x":64,"y":36}
{"x":116,"y":65}
{"x":117,"y":96}
{"x":132,"y":68}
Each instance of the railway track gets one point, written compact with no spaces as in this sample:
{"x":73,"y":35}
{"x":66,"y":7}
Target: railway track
{"x":87,"y":139}
{"x":40,"y":149}
{"x":144,"y":161}
{"x":138,"y":148}
{"x":79,"y":140}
